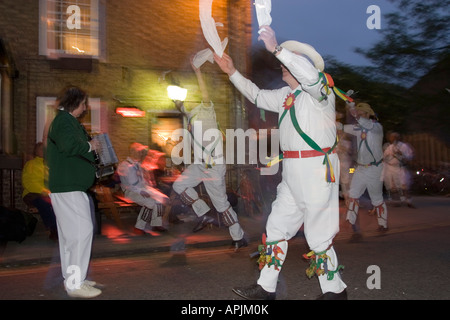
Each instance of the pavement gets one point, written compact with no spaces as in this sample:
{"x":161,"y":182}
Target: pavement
{"x":112,"y":242}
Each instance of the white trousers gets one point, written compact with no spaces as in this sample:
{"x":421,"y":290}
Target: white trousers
{"x":214,"y":182}
{"x":75,"y":231}
{"x":369,"y":178}
{"x":156,"y":216}
{"x":396,"y":178}
{"x":305,"y":198}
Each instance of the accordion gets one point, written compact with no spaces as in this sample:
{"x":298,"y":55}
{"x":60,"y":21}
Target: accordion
{"x":106,"y":156}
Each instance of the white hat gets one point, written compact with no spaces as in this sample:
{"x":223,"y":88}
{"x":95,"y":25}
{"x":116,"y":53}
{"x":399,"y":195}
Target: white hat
{"x":306,"y":49}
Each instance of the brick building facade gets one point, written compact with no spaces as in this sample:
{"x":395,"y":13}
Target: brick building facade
{"x":141,"y":47}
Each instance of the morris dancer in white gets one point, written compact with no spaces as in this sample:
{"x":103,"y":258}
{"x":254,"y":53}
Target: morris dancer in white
{"x":206,"y":170}
{"x":369,"y":169}
{"x":396,"y":174}
{"x":309,"y":191}
{"x":138,"y":190}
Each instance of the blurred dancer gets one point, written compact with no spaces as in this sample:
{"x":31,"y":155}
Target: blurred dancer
{"x":138,"y":189}
{"x":396,"y":175}
{"x":369,"y":169}
{"x":206,"y":170}
{"x":309,"y":191}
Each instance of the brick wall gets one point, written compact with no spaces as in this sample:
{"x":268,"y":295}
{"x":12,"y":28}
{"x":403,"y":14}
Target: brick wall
{"x":143,"y":39}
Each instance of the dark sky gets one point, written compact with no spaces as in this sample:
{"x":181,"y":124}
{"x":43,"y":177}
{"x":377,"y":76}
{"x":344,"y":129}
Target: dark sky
{"x":333,"y":27}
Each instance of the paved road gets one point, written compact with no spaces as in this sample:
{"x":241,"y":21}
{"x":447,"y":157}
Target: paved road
{"x":410,"y":262}
{"x":412,"y":265}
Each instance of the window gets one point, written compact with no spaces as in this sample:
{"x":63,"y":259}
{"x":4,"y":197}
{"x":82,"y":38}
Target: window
{"x":94,"y":121}
{"x":70,"y":28}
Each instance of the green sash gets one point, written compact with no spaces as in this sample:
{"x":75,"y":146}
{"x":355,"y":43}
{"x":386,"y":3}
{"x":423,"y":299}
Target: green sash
{"x":329,"y":174}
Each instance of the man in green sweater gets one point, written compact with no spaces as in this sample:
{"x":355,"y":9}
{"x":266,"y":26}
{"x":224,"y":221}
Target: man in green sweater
{"x":70,"y":154}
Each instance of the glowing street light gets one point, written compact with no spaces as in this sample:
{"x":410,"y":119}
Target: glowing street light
{"x":176,"y":93}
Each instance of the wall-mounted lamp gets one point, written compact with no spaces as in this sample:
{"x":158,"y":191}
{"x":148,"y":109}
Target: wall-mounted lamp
{"x":176,"y":93}
{"x":130,"y":112}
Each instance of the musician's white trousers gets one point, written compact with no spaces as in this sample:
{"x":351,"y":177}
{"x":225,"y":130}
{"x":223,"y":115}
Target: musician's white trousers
{"x":75,"y":231}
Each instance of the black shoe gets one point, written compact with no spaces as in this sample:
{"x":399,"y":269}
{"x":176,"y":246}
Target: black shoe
{"x":254,"y":292}
{"x":204,"y":221}
{"x":333,"y":296}
{"x":239,"y":243}
{"x":382,"y":229}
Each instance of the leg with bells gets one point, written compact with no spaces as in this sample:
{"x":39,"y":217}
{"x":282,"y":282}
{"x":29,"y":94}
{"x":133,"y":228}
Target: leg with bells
{"x":375,"y":190}
{"x":382,"y":214}
{"x":357,"y":188}
{"x":143,"y":217}
{"x":150,"y":216}
{"x":352,"y":210}
{"x":230,"y":220}
{"x":352,"y":218}
{"x":216,"y":189}
{"x":190,"y":198}
{"x":184,"y":186}
{"x":283,"y":223}
{"x":325,"y":265}
{"x":145,"y":214}
{"x":321,"y":224}
{"x":156,"y":219}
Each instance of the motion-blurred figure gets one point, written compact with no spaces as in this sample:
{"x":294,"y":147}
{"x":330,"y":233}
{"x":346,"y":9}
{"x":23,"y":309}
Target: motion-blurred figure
{"x":138,"y":189}
{"x":369,"y":169}
{"x":397,"y":178}
{"x":204,"y":169}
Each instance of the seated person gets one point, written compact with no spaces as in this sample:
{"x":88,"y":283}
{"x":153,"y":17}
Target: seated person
{"x":161,"y":177}
{"x":136,"y":188}
{"x":35,"y":194}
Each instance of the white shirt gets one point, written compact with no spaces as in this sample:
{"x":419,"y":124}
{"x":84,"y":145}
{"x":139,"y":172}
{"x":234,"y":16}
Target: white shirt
{"x":316,"y":118}
{"x":131,"y":176}
{"x":369,"y":139}
{"x":202,"y":123}
{"x":393,"y":157}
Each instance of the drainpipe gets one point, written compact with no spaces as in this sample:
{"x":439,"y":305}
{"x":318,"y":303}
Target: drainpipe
{"x":8,"y":160}
{"x":6,"y":117}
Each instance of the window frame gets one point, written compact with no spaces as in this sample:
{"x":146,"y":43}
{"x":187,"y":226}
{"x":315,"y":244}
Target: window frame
{"x":46,"y":111}
{"x":97,"y":31}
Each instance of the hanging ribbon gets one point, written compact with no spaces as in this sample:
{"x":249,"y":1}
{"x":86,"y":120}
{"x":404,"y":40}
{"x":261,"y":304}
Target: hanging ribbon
{"x":269,"y":252}
{"x":329,"y":83}
{"x":318,"y":264}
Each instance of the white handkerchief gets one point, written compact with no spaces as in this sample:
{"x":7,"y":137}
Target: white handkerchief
{"x":206,"y":55}
{"x":209,"y":26}
{"x":263,"y":9}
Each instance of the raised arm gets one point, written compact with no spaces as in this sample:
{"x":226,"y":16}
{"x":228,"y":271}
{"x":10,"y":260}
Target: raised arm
{"x":201,"y":83}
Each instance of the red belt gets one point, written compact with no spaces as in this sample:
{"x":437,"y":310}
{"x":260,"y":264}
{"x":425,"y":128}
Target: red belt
{"x":305,"y":153}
